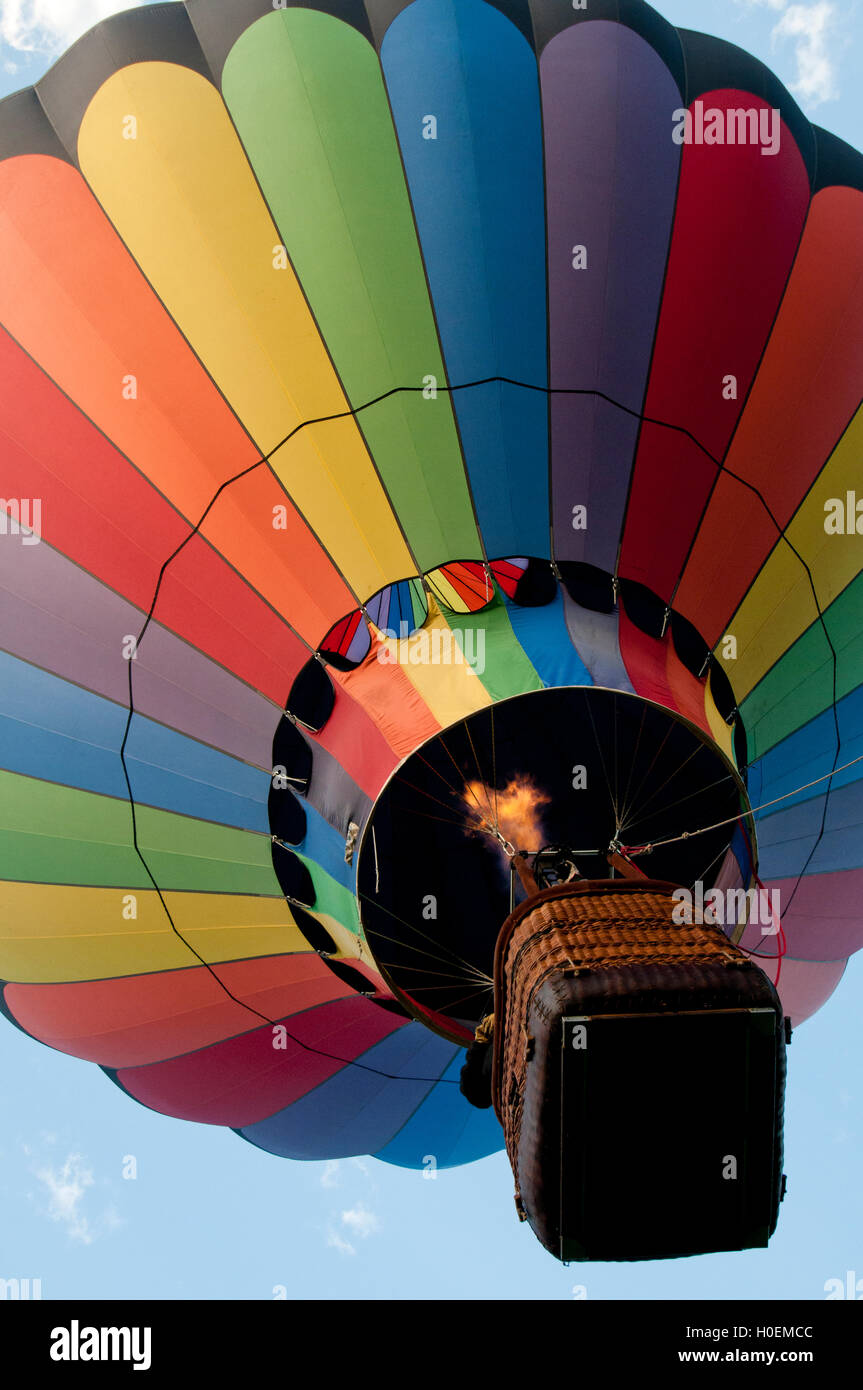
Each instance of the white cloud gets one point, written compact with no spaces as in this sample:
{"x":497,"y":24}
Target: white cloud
{"x":49,"y":26}
{"x":329,"y":1177}
{"x":344,"y":1247}
{"x":360,"y":1221}
{"x":66,"y":1187}
{"x":811,"y":27}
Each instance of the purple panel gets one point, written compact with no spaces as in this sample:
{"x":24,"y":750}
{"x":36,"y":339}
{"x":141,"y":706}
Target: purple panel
{"x":57,"y":616}
{"x":805,"y":985}
{"x":594,"y":636}
{"x":822,"y":916}
{"x":611,"y":172}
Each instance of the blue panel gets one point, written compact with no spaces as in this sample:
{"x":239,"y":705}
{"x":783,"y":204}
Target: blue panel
{"x":810,"y":753}
{"x":54,"y":730}
{"x":786,"y":839}
{"x":446,"y":1128}
{"x":325,"y":846}
{"x":544,"y":635}
{"x":478,"y":197}
{"x":357,"y":1111}
{"x":168,"y":769}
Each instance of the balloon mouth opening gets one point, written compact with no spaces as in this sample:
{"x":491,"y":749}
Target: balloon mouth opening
{"x":547,"y":787}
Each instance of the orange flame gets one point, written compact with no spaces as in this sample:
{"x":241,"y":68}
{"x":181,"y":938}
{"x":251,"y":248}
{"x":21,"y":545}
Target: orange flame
{"x":515,"y":811}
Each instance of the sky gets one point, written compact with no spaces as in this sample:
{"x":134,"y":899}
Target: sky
{"x":101,"y":1198}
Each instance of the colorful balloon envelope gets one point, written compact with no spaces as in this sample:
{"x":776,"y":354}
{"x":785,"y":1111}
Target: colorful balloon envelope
{"x":412,"y":415}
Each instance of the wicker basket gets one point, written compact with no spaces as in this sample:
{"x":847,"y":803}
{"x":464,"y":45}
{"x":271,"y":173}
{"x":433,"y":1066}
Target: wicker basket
{"x":595,"y":948}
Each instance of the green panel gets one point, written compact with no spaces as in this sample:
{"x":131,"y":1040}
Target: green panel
{"x":201,"y":855}
{"x":508,"y":670}
{"x":294,"y":83}
{"x":332,"y":897}
{"x":53,"y":834}
{"x":800,"y":685}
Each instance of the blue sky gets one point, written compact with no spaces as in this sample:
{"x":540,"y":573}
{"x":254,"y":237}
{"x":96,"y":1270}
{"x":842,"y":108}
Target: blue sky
{"x":208,"y":1216}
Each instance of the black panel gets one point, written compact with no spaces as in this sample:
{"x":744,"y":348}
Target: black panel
{"x":712,"y":63}
{"x":837,"y":163}
{"x":588,"y":586}
{"x":741,"y":747}
{"x":294,"y":754}
{"x":294,"y":878}
{"x":312,"y":696}
{"x":349,"y":975}
{"x":723,"y":695}
{"x":287,"y":816}
{"x":537,"y":586}
{"x":25,"y":129}
{"x":155,"y":33}
{"x":691,"y":1091}
{"x":317,"y":935}
{"x":643,"y":607}
{"x":690,"y":646}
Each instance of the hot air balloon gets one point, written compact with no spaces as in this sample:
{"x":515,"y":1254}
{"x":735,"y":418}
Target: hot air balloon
{"x":429,"y":453}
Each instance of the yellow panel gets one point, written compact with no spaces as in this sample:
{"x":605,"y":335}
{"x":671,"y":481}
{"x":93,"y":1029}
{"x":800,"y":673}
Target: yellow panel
{"x":186,"y":203}
{"x":449,"y":687}
{"x":51,"y":933}
{"x":723,"y":733}
{"x":780,"y":606}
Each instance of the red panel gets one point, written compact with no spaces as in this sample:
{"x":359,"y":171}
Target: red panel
{"x":686,"y":690}
{"x":645,"y":659}
{"x":103,"y":514}
{"x":145,"y":1018}
{"x":807,"y":390}
{"x":71,"y":294}
{"x":98,"y":510}
{"x":355,"y":741}
{"x":737,"y":225}
{"x":246,"y":1079}
{"x":392,"y":701}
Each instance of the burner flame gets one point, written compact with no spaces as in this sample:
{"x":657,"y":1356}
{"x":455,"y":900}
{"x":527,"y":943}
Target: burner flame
{"x":511,"y":816}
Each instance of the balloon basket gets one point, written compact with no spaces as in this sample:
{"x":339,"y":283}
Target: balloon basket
{"x":639,"y":1069}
